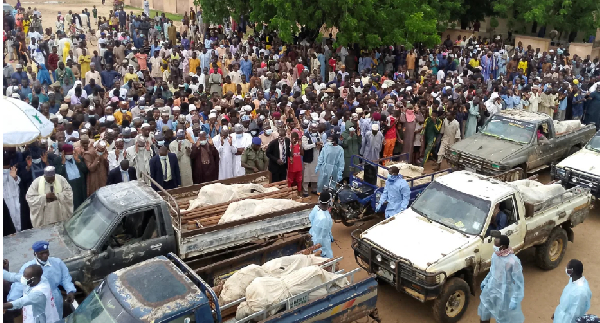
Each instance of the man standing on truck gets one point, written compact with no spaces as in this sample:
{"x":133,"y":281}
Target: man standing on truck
{"x":396,"y":193}
{"x":55,"y":272}
{"x":321,"y":224}
{"x":503,"y":288}
{"x":576,"y":297}
{"x":450,"y":134}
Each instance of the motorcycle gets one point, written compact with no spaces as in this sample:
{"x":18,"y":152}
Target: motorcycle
{"x":352,"y":203}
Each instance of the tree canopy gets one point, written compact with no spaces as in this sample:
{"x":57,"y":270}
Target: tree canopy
{"x":374,"y":23}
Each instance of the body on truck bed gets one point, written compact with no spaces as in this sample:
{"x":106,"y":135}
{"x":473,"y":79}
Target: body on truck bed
{"x":123,"y":224}
{"x":165,"y":289}
{"x":509,"y":140}
{"x":435,"y":249}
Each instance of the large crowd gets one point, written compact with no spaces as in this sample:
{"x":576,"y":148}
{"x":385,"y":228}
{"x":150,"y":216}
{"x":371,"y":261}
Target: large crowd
{"x":186,"y":103}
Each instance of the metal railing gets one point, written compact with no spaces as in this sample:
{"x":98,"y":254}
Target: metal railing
{"x":171,"y":202}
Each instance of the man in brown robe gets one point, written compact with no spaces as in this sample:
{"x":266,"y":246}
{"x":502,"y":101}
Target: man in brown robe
{"x":205,"y":160}
{"x":96,"y":160}
{"x":172,"y":32}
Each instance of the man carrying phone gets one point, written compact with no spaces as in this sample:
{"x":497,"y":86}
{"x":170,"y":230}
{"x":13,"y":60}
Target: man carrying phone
{"x":50,"y":199}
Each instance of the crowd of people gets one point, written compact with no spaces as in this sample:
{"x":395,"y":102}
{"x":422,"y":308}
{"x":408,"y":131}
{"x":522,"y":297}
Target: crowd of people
{"x":185,"y":103}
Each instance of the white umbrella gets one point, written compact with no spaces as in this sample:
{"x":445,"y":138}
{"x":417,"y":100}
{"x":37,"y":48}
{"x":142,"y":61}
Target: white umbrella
{"x":22,"y":123}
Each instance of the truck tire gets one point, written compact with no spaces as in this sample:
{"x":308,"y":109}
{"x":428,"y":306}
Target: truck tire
{"x":549,"y":254}
{"x":452,"y":303}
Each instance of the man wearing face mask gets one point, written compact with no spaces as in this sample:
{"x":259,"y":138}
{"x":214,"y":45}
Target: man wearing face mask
{"x":127,"y":139}
{"x":312,"y":144}
{"x":240,"y":140}
{"x":330,"y":163}
{"x":117,"y":155}
{"x":396,"y":193}
{"x":29,"y":170}
{"x":53,"y":271}
{"x":321,"y":224}
{"x":267,"y":135}
{"x":122,"y":113}
{"x":50,"y":199}
{"x":73,"y":168}
{"x":96,"y":160}
{"x":277,"y":152}
{"x":205,"y":159}
{"x":37,"y":301}
{"x":503,"y":288}
{"x":164,"y":169}
{"x":576,"y":297}
{"x":226,"y":150}
{"x":121,"y":174}
{"x":182,"y":148}
{"x":139,"y":156}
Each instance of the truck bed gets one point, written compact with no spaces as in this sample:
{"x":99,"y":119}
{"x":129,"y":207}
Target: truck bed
{"x":347,"y":304}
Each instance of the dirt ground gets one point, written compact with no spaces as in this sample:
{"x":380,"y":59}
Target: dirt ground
{"x":542,"y":288}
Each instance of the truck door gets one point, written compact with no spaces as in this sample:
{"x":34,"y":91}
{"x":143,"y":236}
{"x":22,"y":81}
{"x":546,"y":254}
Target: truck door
{"x":140,"y":235}
{"x":513,"y":229}
{"x":546,"y":152}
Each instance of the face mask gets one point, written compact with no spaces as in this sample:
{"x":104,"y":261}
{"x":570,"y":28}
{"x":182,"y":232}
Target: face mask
{"x":91,"y":116}
{"x":203,"y":142}
{"x":239,"y":135}
{"x":160,"y":143}
{"x":68,"y":157}
{"x":253,"y":132}
{"x":126,"y":139}
{"x":24,"y":281}
{"x":43,"y":263}
{"x":100,"y":153}
{"x":163,"y":157}
{"x":268,"y":132}
{"x":496,"y":249}
{"x":314,"y":134}
{"x":36,"y":160}
{"x":124,"y":110}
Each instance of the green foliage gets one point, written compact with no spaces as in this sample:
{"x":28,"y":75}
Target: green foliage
{"x":370,"y":23}
{"x":172,"y":16}
{"x":562,"y":15}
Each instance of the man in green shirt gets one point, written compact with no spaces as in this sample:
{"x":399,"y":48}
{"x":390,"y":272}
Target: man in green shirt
{"x":95,"y":13}
{"x":254,"y":160}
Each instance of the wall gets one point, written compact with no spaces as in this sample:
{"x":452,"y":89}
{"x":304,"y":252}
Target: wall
{"x":580,"y":49}
{"x":454,"y":33}
{"x":542,"y":43}
{"x":595,"y":53}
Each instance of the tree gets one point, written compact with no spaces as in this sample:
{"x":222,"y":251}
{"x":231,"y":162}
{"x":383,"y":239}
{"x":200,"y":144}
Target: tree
{"x":370,"y":23}
{"x":563,"y":15}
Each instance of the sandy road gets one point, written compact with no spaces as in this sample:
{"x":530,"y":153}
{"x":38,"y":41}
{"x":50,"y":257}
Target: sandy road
{"x":542,"y":288}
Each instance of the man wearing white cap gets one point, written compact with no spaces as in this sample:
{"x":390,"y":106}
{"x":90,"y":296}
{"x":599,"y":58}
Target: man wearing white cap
{"x":50,"y":199}
{"x":182,"y":148}
{"x":372,"y":143}
{"x":139,"y":156}
{"x":96,"y":160}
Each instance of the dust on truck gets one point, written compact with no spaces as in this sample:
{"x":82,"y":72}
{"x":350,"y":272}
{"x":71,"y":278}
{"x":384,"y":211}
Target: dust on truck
{"x":509,"y":140}
{"x":581,"y":168}
{"x":123,"y":224}
{"x":434,"y":250}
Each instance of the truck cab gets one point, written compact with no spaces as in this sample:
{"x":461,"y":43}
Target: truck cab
{"x":434,"y":250}
{"x":581,"y":168}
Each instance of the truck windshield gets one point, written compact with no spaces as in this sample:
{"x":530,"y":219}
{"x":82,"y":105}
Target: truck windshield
{"x":594,"y":144}
{"x":509,"y":129}
{"x":452,"y":208}
{"x":89,"y":222}
{"x":100,"y":307}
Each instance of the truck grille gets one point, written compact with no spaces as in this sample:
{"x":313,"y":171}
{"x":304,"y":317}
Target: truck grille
{"x":584,"y":179}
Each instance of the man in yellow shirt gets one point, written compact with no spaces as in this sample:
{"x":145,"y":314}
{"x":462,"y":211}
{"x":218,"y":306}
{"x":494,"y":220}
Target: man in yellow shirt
{"x":194,"y":63}
{"x":228,"y":86}
{"x":123,"y":113}
{"x":130,"y":75}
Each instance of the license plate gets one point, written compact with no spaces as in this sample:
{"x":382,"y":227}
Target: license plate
{"x":385,"y":274}
{"x":470,"y":169}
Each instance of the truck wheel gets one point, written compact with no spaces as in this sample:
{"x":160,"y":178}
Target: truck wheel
{"x":551,"y":253}
{"x":452,"y":303}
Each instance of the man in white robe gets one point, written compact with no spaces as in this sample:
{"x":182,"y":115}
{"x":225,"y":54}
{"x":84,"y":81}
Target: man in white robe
{"x":50,"y":199}
{"x":117,"y":155}
{"x":10,"y":195}
{"x":241,"y":141}
{"x":450,"y":134}
{"x":182,"y":148}
{"x":139,"y":157}
{"x":227,"y":151}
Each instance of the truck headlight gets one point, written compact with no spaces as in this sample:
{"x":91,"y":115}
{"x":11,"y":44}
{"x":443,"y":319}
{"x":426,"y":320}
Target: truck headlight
{"x":560,"y":172}
{"x":392,"y":264}
{"x":434,"y":280}
{"x":378,"y":258}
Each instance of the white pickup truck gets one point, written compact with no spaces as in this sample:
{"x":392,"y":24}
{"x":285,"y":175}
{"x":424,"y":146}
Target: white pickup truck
{"x":581,"y":168}
{"x":435,"y":249}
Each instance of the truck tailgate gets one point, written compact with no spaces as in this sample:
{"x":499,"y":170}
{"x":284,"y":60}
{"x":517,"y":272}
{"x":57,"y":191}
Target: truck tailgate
{"x":227,"y":235}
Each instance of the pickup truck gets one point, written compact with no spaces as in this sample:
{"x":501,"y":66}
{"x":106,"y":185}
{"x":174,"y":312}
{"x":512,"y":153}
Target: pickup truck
{"x":581,"y":168}
{"x":124,"y":224}
{"x":509,"y":140}
{"x":434,"y":249}
{"x":164,"y":289}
